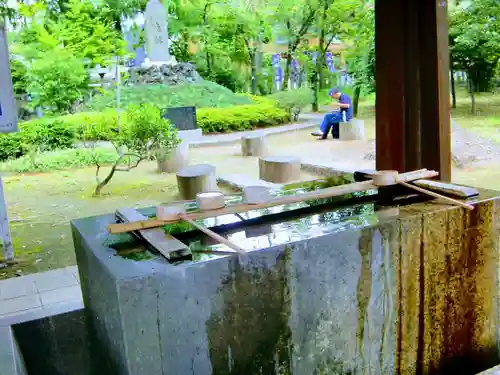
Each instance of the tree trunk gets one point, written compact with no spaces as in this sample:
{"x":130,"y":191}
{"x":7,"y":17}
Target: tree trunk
{"x":452,"y":87}
{"x":472,"y":96}
{"x":253,"y":57}
{"x":104,"y":182}
{"x":315,"y":88}
{"x":288,"y":66}
{"x":318,"y":70}
{"x":207,"y":54}
{"x":321,"y":49}
{"x":355,"y":100}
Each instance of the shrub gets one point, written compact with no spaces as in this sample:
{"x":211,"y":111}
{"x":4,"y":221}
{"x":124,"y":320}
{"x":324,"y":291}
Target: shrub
{"x":293,"y":101}
{"x":36,"y":135}
{"x":143,"y":134}
{"x":200,"y":95}
{"x":57,"y":79}
{"x":60,"y":159}
{"x":238,"y":118}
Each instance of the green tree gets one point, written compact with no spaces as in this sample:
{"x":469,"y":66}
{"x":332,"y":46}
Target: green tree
{"x":293,"y":20}
{"x":87,"y":32}
{"x":57,"y":79}
{"x":361,"y":55}
{"x":475,"y":43}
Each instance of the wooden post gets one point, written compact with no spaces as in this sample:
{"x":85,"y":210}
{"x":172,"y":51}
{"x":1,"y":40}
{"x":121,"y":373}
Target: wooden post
{"x":279,"y":169}
{"x":413,"y":118}
{"x":196,"y":179}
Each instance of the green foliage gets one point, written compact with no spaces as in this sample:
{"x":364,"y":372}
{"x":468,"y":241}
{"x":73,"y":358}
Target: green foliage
{"x":361,"y":56}
{"x":475,"y":41}
{"x":86,"y":31}
{"x":239,"y":118}
{"x":141,"y":136}
{"x":59,"y":159}
{"x":37,"y":135}
{"x":56,"y":80}
{"x":19,"y":79}
{"x":293,"y":101}
{"x":103,"y":124}
{"x":199,"y":95}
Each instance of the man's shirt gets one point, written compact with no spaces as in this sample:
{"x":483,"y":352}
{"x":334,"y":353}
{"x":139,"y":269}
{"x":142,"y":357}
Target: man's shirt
{"x":347,"y":113}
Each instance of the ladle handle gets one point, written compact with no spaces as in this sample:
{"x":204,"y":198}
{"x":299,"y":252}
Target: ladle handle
{"x":436,"y":195}
{"x":212,"y":234}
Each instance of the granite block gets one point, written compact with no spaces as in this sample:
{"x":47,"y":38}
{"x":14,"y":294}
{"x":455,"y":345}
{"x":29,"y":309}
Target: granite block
{"x":11,"y":360}
{"x":409,"y":293}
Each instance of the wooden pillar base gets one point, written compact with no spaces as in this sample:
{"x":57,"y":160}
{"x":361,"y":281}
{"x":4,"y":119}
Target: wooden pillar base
{"x":279,"y":169}
{"x":254,"y":145}
{"x":196,"y":179}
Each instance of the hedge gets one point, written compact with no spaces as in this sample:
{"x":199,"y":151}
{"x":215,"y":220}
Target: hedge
{"x":63,"y":131}
{"x":238,"y":118}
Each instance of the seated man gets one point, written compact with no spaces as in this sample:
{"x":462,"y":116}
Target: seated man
{"x":332,"y":120}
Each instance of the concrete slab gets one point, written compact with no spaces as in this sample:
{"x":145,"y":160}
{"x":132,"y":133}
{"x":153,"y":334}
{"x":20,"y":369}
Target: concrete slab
{"x":55,"y":279}
{"x":16,"y":287}
{"x":14,"y":305}
{"x":239,"y":181}
{"x":21,"y":297}
{"x":11,"y":361}
{"x":70,"y":293}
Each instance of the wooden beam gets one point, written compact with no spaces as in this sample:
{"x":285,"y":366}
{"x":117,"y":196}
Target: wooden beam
{"x":412,"y":67}
{"x":435,"y":87}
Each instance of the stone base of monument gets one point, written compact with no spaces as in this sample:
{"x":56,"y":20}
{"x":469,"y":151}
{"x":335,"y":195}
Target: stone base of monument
{"x":301,"y":299}
{"x":353,"y":130}
{"x":173,"y":160}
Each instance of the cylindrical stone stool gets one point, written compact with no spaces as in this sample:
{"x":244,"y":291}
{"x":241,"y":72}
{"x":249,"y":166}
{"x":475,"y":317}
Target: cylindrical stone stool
{"x":196,"y":179}
{"x":173,"y":160}
{"x":353,"y":130}
{"x":254,"y":144}
{"x":279,"y":169}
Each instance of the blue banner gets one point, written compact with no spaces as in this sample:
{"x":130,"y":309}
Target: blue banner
{"x":329,"y":62}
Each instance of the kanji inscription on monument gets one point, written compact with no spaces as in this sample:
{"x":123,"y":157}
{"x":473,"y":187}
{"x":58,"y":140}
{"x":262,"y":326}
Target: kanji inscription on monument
{"x":156,"y":32}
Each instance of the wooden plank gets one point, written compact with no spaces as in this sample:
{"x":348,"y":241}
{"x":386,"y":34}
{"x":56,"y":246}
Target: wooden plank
{"x":164,"y":243}
{"x":238,"y":208}
{"x":458,"y":191}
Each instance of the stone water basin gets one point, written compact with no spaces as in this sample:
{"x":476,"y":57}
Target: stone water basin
{"x":337,"y":288}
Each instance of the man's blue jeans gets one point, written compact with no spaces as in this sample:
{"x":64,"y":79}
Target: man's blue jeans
{"x":331,"y":120}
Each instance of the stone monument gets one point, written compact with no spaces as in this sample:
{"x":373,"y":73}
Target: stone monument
{"x":156,"y":27}
{"x":159,"y":66}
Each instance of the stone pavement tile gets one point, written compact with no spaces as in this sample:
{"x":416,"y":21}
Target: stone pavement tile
{"x":23,"y":303}
{"x":22,"y":316}
{"x":69,"y":293}
{"x":63,"y":307}
{"x":54,"y":279}
{"x":16,"y":287}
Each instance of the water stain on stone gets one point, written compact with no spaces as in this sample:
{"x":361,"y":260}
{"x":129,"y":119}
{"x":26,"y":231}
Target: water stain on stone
{"x":251,"y":334}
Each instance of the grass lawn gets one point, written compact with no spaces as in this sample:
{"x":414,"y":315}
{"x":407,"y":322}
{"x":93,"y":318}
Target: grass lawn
{"x":41,"y":205}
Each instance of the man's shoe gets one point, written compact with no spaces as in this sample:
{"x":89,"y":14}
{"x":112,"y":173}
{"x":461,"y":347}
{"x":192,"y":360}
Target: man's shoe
{"x":317,"y":134}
